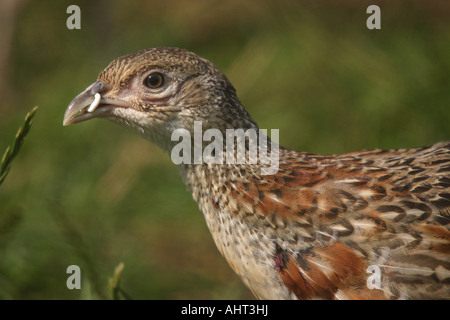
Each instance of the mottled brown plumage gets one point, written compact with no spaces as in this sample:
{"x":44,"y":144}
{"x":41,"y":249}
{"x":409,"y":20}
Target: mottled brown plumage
{"x":320,"y":225}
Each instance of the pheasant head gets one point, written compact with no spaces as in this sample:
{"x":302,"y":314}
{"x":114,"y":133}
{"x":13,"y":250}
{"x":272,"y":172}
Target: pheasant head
{"x":158,"y":90}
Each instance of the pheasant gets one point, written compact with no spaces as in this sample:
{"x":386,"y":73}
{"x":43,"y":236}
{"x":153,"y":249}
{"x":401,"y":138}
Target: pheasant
{"x":370,"y":224}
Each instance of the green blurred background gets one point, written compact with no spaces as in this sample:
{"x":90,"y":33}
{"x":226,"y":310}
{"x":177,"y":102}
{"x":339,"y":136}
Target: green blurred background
{"x":95,"y":194}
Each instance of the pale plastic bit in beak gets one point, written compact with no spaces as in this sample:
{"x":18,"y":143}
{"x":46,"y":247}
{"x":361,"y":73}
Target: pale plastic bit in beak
{"x":95,"y":103}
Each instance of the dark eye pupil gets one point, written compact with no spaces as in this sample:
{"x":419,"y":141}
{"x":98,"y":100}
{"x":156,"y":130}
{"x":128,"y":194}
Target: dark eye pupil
{"x":154,"y":80}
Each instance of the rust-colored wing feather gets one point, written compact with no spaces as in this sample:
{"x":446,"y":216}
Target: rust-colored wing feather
{"x":331,"y":218}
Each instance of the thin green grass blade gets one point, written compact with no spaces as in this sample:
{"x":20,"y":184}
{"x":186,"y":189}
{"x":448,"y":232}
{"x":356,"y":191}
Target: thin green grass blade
{"x":12,"y":151}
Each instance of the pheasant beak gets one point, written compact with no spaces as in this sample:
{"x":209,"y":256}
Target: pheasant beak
{"x":90,"y":104}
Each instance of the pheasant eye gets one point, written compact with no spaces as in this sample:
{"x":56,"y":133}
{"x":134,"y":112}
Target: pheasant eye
{"x":154,"y":80}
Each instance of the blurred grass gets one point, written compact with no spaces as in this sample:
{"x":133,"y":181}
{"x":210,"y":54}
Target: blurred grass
{"x":9,"y":220}
{"x":309,"y":68}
